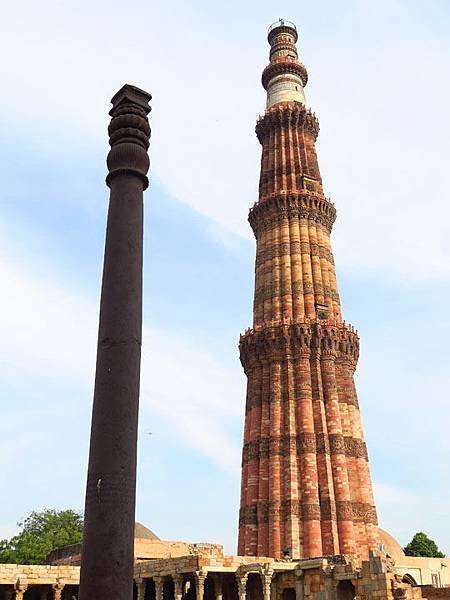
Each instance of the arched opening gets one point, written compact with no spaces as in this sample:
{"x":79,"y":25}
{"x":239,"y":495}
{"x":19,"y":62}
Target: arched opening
{"x":345,"y":590}
{"x":407,"y":578}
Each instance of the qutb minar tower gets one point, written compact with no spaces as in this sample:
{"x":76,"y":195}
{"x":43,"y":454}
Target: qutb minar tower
{"x":306,"y":486}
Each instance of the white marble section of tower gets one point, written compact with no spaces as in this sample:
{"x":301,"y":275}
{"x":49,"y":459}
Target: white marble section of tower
{"x":282,"y":78}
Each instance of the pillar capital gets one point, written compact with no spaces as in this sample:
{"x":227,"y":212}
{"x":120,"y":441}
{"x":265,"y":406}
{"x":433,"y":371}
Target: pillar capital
{"x":178,"y":580}
{"x":20,"y":588}
{"x":141,"y":587}
{"x":266,"y":580}
{"x":129,"y":134}
{"x":57,"y":588}
{"x":200,"y":577}
{"x":241,"y":579}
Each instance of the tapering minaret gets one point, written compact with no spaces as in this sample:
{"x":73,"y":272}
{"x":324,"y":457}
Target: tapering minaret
{"x":306,"y":486}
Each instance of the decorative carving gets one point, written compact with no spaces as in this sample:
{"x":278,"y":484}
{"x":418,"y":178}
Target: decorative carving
{"x":310,"y":511}
{"x":364,"y":513}
{"x":344,"y":510}
{"x":355,"y":447}
{"x":279,"y":341}
{"x":20,"y":589}
{"x":336,"y":443}
{"x":159,"y":586}
{"x":287,"y":445}
{"x":200,"y":577}
{"x":129,"y":134}
{"x":241,"y":579}
{"x":287,"y":114}
{"x":300,"y":204}
{"x":58,"y":588}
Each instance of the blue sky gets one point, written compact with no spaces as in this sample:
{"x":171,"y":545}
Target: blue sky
{"x":379,"y":83}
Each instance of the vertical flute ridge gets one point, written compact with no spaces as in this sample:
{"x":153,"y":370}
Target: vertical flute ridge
{"x":314,"y":494}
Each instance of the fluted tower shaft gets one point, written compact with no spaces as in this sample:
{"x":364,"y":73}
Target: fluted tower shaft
{"x":306,"y":487}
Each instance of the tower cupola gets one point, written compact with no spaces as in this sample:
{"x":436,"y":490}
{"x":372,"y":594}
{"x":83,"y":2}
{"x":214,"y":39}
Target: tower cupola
{"x":285,"y":77}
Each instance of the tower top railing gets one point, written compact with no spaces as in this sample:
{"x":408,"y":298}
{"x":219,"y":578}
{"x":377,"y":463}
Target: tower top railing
{"x":282,"y":23}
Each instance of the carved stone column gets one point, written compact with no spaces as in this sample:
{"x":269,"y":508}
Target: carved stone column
{"x":178,"y":586}
{"x":20,"y":589}
{"x":108,"y":544}
{"x":57,"y":590}
{"x":159,"y":587}
{"x":242,"y":585}
{"x":200,"y":577}
{"x":141,"y":587}
{"x":266,"y":580}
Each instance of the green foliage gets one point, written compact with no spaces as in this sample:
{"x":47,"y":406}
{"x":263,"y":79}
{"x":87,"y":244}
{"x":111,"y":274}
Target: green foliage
{"x":41,"y":533}
{"x":421,"y":545}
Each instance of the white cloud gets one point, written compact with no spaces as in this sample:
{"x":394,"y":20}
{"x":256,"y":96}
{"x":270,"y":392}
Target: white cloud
{"x":380,"y":94}
{"x":201,"y":399}
{"x":50,"y":331}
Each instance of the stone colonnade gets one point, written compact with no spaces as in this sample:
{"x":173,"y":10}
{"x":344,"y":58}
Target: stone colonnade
{"x":31,"y":590}
{"x":193,"y":586}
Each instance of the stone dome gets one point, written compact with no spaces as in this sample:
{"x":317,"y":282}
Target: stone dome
{"x":143,"y":533}
{"x":391,"y":546}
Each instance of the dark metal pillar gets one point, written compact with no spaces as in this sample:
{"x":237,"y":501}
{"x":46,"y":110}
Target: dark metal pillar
{"x":108,"y":545}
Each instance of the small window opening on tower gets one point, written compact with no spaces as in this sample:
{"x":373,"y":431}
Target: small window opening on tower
{"x":321,"y":310}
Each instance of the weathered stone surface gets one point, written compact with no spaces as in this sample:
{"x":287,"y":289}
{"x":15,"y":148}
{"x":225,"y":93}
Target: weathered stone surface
{"x":306,"y":483}
{"x":107,"y":565}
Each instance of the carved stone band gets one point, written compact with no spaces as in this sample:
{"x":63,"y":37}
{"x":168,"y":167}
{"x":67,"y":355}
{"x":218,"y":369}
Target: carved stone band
{"x":275,"y":343}
{"x":288,"y":114}
{"x":276,"y":207}
{"x":290,"y":248}
{"x":266,"y":511}
{"x":286,"y":445}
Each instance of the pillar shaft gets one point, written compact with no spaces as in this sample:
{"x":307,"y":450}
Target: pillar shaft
{"x":141,"y":587}
{"x":108,"y":544}
{"x":58,"y":589}
{"x":159,"y":587}
{"x":242,"y":585}
{"x":200,"y":578}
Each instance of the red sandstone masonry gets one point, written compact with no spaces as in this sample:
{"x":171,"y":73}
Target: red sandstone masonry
{"x":305,"y":476}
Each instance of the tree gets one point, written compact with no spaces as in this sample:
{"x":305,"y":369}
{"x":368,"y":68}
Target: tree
{"x":41,"y":533}
{"x":421,"y":545}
